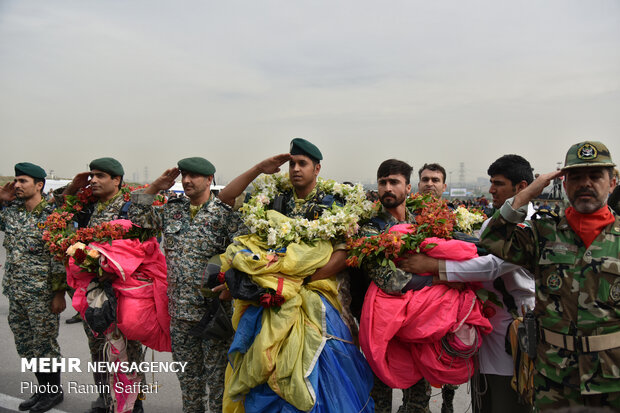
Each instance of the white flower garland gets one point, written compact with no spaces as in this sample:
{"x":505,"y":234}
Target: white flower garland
{"x":337,"y":221}
{"x":467,"y":221}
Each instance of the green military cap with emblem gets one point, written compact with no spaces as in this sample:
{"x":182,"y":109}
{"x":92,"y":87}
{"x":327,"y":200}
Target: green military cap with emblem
{"x":196,"y":165}
{"x":30,"y":169}
{"x":300,"y":146}
{"x":108,"y":165}
{"x":588,"y":154}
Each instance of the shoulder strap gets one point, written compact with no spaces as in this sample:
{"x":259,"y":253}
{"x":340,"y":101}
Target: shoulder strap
{"x":379,"y":223}
{"x":124,"y":214}
{"x":508,"y":299}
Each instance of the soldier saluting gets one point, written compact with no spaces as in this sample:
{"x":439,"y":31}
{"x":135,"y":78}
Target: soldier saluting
{"x":195,"y":228}
{"x":575,"y":259}
{"x":33,"y":282}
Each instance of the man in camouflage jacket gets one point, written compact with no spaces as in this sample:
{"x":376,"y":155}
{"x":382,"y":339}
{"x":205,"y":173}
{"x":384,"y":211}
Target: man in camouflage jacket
{"x":105,"y":179}
{"x":195,"y":228}
{"x":33,"y":282}
{"x":576,"y":263}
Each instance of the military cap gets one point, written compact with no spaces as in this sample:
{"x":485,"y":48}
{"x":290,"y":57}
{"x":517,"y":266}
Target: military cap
{"x":30,"y":169}
{"x":588,"y":153}
{"x":197,"y":165}
{"x":301,"y":146}
{"x":109,"y":165}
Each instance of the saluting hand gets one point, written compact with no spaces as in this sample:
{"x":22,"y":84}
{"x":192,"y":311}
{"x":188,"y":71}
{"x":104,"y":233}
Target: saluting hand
{"x":272,"y":165}
{"x":7,"y":192}
{"x":79,"y":181}
{"x":164,"y":182}
{"x":535,"y":188}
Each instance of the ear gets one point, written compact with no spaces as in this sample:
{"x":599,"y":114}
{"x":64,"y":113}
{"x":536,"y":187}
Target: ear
{"x":317,"y":169}
{"x":408,"y":188}
{"x":210,"y":180}
{"x":39,"y":186}
{"x":521,"y":186}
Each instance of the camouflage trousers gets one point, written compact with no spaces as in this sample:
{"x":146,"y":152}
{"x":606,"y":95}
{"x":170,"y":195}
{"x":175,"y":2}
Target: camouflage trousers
{"x":416,"y":398}
{"x":447,"y":397}
{"x":96,"y":345}
{"x":34,"y":327}
{"x":381,"y":393}
{"x":206,"y":366}
{"x":550,"y":395}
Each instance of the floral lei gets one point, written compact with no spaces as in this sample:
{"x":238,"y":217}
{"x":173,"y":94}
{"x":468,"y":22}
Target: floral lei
{"x":60,"y":233}
{"x":336,"y":221}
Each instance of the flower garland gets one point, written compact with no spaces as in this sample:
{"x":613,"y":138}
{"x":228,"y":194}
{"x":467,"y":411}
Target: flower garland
{"x":336,"y":221}
{"x":84,"y":196}
{"x":60,"y":233}
{"x":433,"y":218}
{"x":469,"y":220}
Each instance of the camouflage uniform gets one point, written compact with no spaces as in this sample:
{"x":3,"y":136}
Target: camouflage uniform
{"x":105,"y":212}
{"x":416,"y":398}
{"x":188,"y":245}
{"x":30,"y":280}
{"x":577,"y":294}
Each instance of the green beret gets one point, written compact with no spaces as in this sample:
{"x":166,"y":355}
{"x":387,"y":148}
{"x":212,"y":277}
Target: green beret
{"x":30,"y":169}
{"x":109,"y":165}
{"x":587,"y":154}
{"x":197,"y":165}
{"x":301,"y":146}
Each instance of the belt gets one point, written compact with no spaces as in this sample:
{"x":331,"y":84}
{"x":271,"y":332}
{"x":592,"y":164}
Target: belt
{"x":584,"y":344}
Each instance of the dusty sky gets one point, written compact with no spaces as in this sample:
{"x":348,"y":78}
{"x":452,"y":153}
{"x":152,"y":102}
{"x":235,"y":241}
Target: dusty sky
{"x":151,"y":82}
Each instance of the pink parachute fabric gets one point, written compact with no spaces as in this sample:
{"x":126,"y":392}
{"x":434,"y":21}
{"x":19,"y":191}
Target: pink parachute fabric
{"x":116,"y":351}
{"x":140,"y":288}
{"x":401,"y":336}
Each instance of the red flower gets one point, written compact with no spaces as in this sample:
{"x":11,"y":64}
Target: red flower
{"x":79,"y":256}
{"x":488,"y":310}
{"x":221,"y":277}
{"x":268,"y":300}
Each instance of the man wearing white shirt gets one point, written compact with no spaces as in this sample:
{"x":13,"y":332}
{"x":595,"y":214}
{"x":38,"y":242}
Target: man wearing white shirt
{"x":509,"y":174}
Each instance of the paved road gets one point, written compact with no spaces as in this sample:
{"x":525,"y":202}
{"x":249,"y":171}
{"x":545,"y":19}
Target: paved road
{"x":73,"y":344}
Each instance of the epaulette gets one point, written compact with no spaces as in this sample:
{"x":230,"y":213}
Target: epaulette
{"x":545,"y":213}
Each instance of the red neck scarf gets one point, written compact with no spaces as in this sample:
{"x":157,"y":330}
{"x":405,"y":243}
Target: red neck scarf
{"x":588,"y":226}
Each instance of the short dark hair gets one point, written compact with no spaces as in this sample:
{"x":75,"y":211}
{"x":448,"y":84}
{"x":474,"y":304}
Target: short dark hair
{"x":120,"y":183}
{"x":514,"y":167}
{"x":433,"y":167}
{"x":611,"y":171}
{"x":395,"y":167}
{"x":42,"y":180}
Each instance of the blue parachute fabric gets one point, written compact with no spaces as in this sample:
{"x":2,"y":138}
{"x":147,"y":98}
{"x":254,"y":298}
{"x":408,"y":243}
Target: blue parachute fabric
{"x":341,"y":378}
{"x":247,"y":330}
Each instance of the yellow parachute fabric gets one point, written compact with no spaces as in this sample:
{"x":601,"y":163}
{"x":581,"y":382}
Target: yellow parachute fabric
{"x":292,"y":337}
{"x":524,"y":371}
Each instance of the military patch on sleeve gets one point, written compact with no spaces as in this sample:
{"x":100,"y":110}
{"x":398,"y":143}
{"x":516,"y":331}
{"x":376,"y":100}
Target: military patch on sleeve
{"x":523,"y":225}
{"x":614,"y":292}
{"x":554,"y":282}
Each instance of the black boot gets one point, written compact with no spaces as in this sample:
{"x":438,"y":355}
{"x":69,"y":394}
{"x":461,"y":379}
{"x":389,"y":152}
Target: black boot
{"x":27,"y":404}
{"x":49,"y":399}
{"x":137,"y":407}
{"x":77,"y":318}
{"x":98,"y":406}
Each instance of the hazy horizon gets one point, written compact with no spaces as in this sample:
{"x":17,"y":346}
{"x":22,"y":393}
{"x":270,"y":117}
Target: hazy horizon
{"x":151,"y":82}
